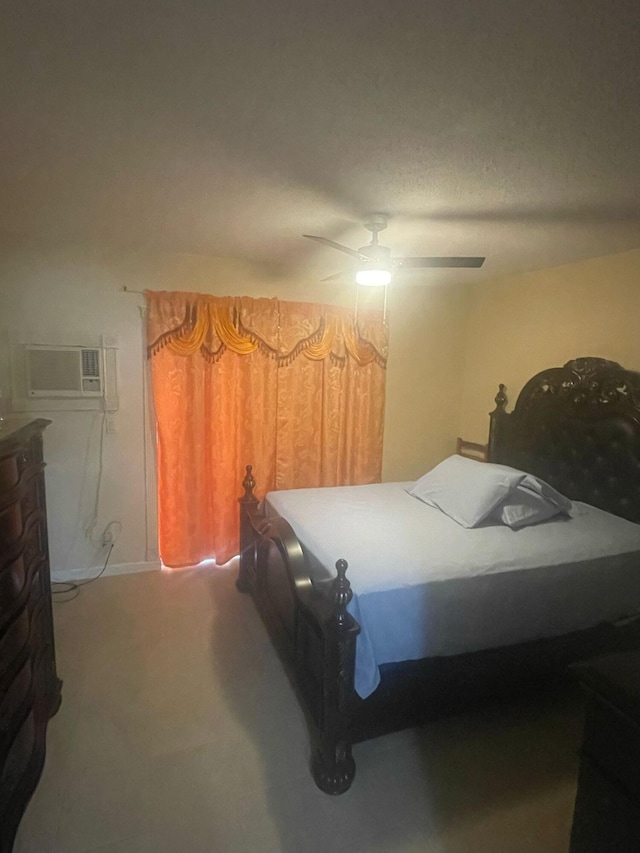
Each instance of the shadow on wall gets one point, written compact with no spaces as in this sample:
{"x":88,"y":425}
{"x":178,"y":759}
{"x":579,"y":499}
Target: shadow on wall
{"x":497,"y":778}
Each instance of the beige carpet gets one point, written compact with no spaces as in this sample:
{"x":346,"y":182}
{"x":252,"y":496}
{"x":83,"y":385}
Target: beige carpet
{"x":179,"y":733}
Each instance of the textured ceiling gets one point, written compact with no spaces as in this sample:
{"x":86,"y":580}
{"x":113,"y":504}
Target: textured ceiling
{"x":503,"y":128}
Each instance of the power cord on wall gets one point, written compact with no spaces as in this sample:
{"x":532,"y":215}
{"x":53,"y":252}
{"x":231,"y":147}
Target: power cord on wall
{"x":91,"y":522}
{"x":72,"y":588}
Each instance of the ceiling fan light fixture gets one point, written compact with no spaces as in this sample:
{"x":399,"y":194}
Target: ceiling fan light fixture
{"x":373,"y":277}
{"x":374,"y":262}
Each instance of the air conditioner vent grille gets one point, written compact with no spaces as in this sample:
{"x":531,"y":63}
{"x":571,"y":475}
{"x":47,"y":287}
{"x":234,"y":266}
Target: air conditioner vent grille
{"x":90,"y":362}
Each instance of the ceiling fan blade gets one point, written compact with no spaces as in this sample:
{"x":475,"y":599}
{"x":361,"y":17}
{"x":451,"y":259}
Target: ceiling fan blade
{"x":412,"y":263}
{"x":326,"y":242}
{"x":336,"y":275}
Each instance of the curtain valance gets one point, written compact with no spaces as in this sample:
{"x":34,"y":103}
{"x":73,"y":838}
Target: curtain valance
{"x":191,"y":323}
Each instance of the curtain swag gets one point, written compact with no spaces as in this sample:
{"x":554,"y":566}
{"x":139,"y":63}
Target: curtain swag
{"x":213,"y":325}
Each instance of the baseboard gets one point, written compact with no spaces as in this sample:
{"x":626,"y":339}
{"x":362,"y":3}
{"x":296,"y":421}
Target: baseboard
{"x":115,"y":569}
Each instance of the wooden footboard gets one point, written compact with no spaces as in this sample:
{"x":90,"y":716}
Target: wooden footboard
{"x":315,"y":635}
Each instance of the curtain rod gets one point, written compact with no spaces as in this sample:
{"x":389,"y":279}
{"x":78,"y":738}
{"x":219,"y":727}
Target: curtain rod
{"x":125,"y":289}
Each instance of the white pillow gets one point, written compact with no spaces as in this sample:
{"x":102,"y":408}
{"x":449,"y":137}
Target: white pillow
{"x":523,"y":507}
{"x":466,"y":490}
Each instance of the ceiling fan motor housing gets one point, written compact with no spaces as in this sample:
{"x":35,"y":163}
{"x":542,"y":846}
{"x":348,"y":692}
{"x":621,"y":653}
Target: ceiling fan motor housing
{"x":378,"y":254}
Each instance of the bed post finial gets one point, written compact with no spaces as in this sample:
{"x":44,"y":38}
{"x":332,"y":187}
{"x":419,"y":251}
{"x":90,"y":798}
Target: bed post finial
{"x":249,"y":484}
{"x":248,"y":504}
{"x":342,"y":592}
{"x":332,"y":764}
{"x":499,"y":418}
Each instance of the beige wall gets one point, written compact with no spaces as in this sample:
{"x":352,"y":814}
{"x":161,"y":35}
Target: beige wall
{"x":519,"y":325}
{"x":423,"y":383}
{"x":75,"y":295}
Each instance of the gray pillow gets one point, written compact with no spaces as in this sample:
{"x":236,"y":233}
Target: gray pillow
{"x":523,"y":507}
{"x":547,"y":492}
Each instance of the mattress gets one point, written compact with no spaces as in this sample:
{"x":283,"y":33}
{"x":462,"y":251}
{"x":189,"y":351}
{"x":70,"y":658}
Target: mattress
{"x":425,"y":586}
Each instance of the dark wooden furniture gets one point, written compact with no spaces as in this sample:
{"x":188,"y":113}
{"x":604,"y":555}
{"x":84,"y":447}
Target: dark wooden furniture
{"x":29,"y":686}
{"x":578,"y":427}
{"x":607,"y":811}
{"x":472,"y":449}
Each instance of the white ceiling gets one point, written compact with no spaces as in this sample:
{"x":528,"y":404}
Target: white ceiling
{"x":505,"y":128}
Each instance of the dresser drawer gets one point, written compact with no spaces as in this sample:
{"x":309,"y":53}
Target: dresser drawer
{"x":612,"y":742}
{"x":10,"y":524}
{"x":18,"y":697}
{"x":30,"y":541}
{"x":18,"y":758}
{"x":29,"y":453}
{"x":13,"y":642}
{"x":9,"y":475}
{"x":16,"y":582}
{"x":30,"y":483}
{"x":12,"y":580}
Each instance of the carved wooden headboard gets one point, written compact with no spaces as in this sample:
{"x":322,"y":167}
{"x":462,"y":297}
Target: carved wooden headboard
{"x":577,"y":427}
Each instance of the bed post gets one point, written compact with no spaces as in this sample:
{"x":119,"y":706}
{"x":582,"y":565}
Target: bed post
{"x":498,"y":421}
{"x":248,"y":502}
{"x":332,"y":765}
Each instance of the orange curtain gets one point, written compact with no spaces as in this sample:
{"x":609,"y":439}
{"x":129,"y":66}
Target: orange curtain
{"x":295,"y":389}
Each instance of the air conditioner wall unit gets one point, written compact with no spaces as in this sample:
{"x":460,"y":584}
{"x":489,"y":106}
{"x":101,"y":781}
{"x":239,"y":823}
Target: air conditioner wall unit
{"x":59,"y":371}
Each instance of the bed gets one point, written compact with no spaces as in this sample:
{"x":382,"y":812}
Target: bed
{"x":487,"y":606}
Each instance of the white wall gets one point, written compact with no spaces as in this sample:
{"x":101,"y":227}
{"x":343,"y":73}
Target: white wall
{"x":68,"y":300}
{"x":74,"y":295}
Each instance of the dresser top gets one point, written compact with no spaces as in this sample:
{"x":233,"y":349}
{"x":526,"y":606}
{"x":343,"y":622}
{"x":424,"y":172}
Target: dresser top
{"x":16,"y":429}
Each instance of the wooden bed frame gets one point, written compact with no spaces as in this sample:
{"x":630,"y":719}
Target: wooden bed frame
{"x":578,"y":427}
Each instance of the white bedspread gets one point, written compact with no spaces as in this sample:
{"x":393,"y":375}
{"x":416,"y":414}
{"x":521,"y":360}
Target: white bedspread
{"x":425,"y":586}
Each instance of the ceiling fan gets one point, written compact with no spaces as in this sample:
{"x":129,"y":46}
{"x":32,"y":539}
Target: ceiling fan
{"x":375,"y":264}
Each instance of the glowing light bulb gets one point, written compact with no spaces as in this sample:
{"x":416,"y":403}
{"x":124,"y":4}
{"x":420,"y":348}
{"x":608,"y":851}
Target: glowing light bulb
{"x":373,"y":277}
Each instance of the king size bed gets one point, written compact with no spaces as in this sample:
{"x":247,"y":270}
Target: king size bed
{"x":447,"y":602}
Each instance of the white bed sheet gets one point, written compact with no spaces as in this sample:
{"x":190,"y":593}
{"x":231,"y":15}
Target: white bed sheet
{"x":425,"y":586}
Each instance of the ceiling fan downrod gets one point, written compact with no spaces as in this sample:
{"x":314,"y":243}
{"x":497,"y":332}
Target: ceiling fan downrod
{"x":375,"y":223}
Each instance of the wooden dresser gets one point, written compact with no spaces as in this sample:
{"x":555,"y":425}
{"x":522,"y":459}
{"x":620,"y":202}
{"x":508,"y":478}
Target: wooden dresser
{"x":29,"y":686}
{"x":607,"y":810}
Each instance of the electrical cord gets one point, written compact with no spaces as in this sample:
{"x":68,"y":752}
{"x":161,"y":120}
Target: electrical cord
{"x":91,"y":522}
{"x":73,"y":587}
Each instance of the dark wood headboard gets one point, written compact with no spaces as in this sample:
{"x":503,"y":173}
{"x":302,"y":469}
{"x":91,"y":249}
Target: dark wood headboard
{"x":577,"y":427}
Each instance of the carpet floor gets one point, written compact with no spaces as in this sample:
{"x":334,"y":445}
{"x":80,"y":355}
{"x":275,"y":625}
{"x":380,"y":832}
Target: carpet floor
{"x":179,"y":733}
